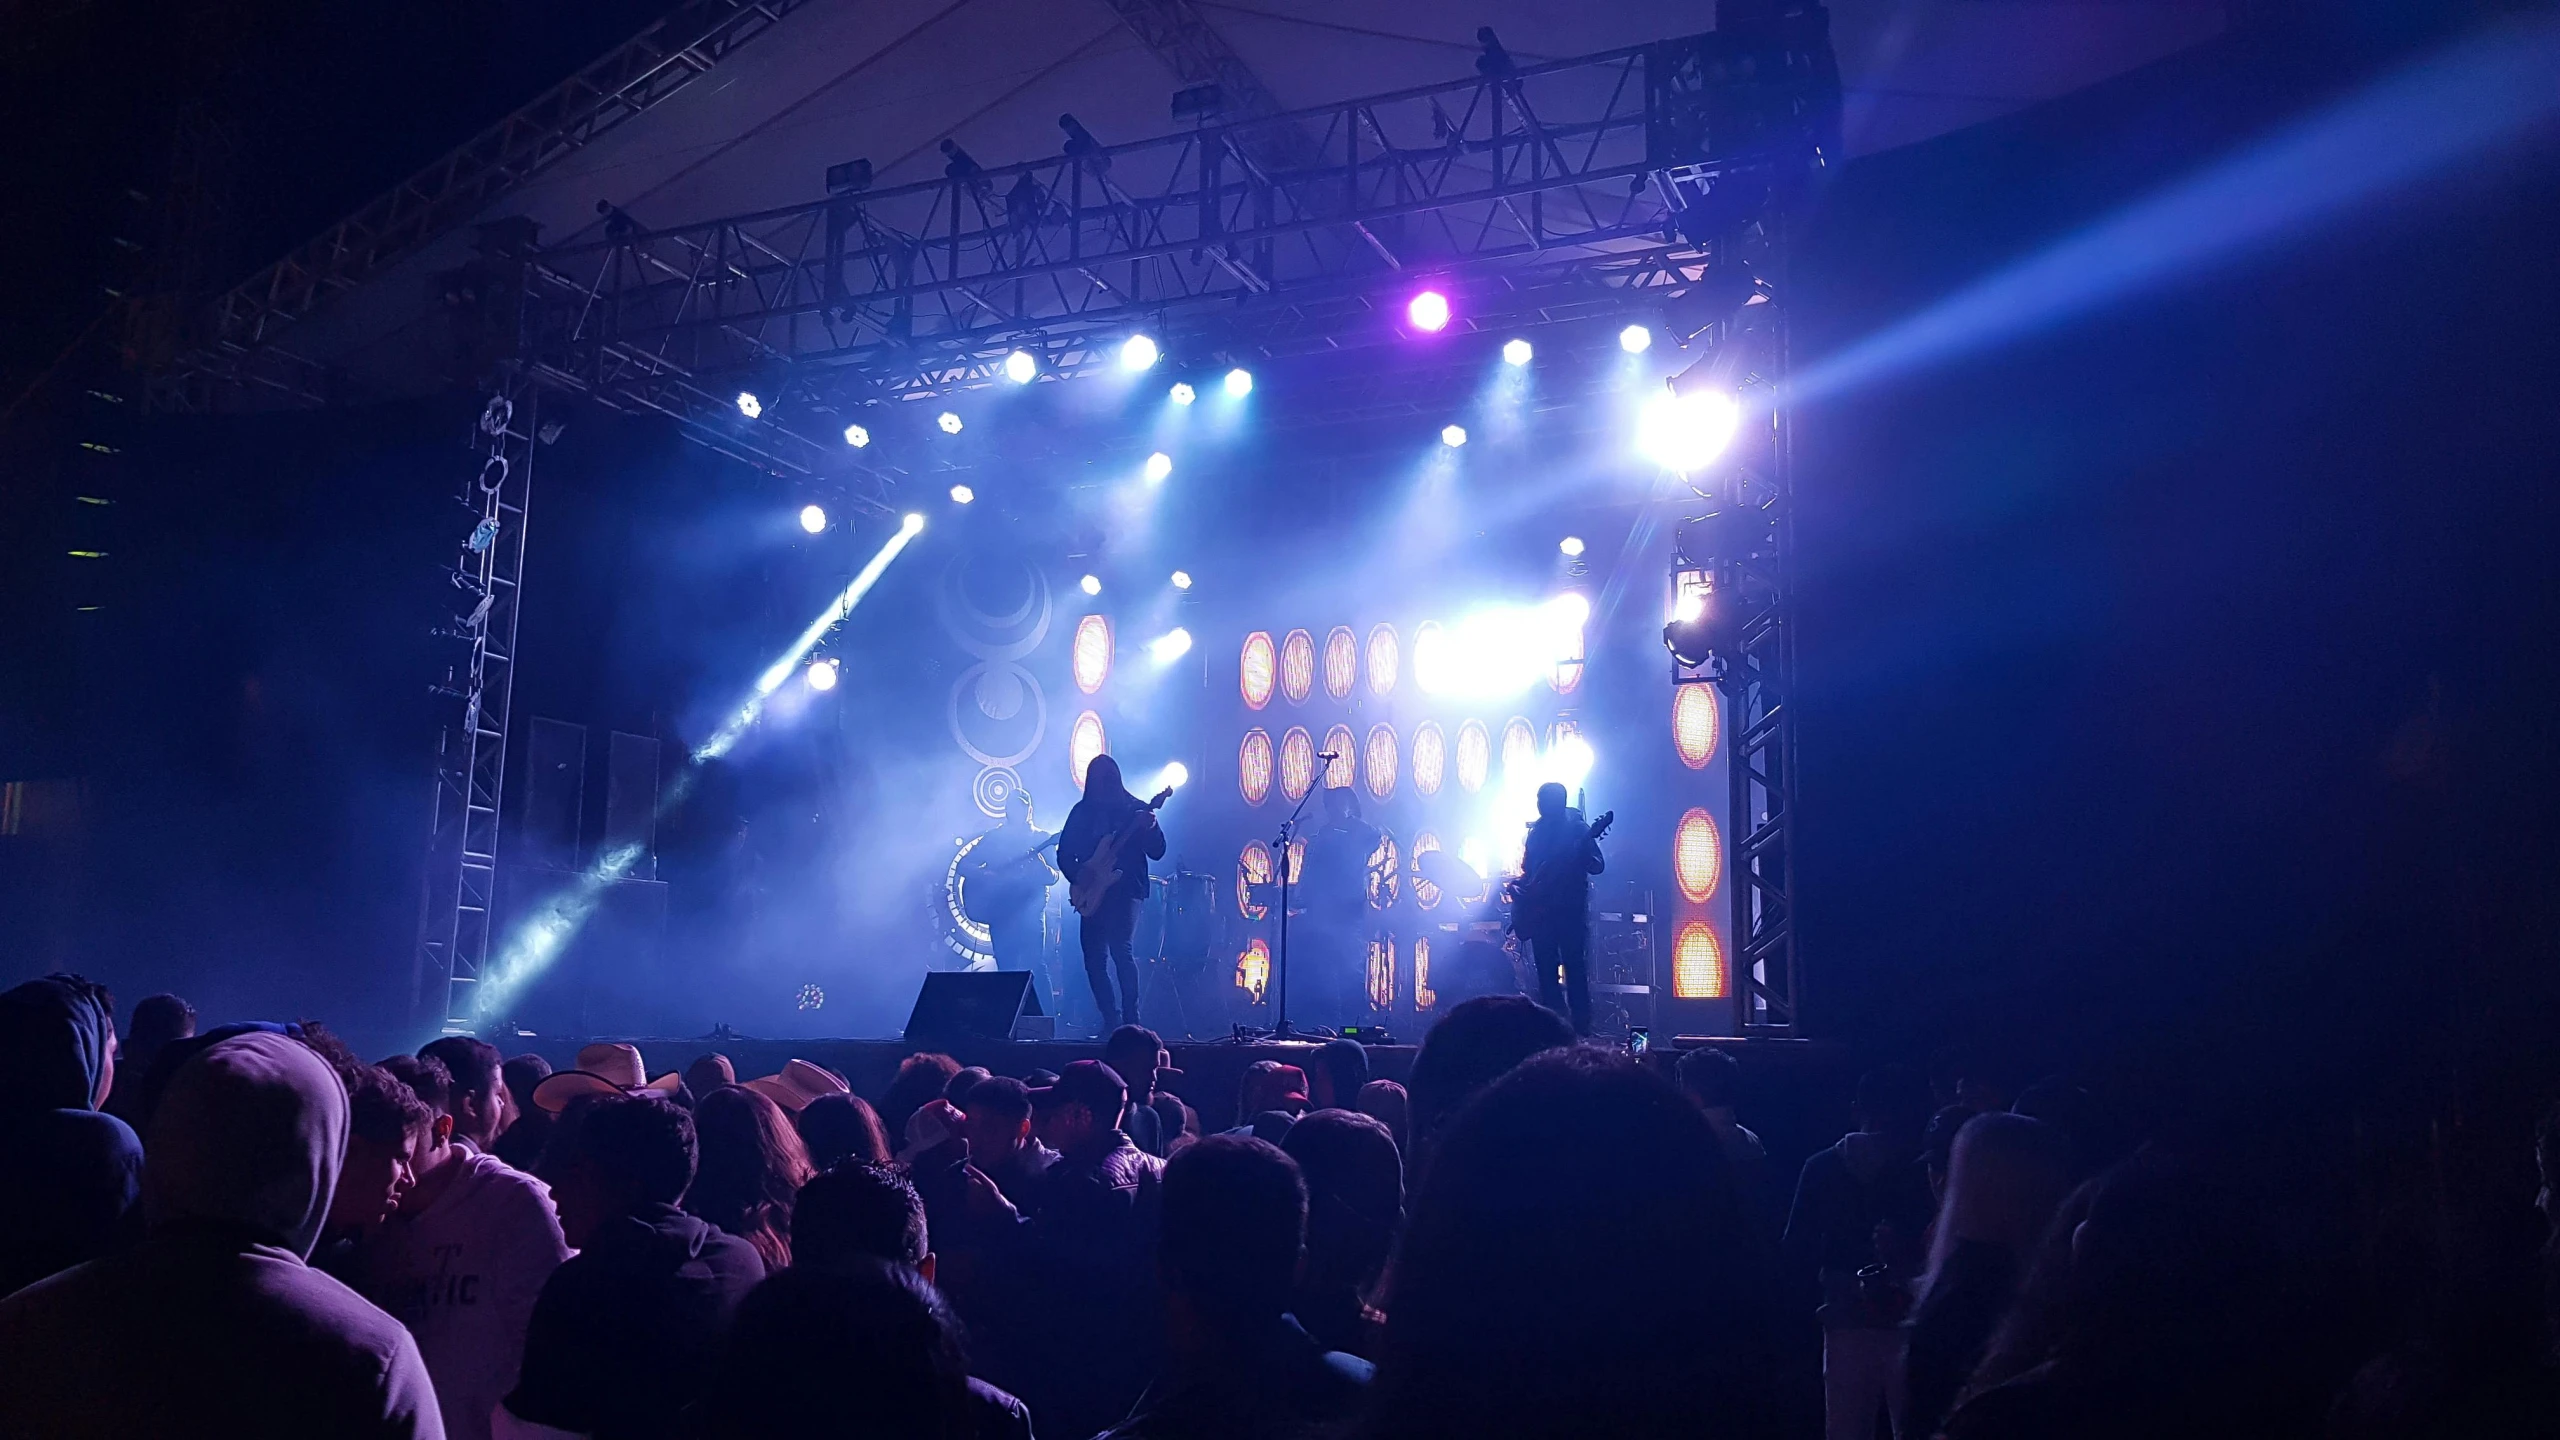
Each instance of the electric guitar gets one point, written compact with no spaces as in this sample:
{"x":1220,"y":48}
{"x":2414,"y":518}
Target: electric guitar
{"x":1535,"y":893}
{"x":1102,"y":870}
{"x":993,"y":889}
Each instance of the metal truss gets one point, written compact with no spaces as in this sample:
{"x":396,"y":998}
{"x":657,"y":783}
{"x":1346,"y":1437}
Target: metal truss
{"x":1560,"y":185}
{"x":240,"y":349}
{"x":461,"y":884}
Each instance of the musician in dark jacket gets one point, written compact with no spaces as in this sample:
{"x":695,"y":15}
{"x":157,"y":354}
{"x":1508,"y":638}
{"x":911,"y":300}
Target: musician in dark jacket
{"x":1107,"y":810}
{"x":1553,"y":912}
{"x":1008,"y":880}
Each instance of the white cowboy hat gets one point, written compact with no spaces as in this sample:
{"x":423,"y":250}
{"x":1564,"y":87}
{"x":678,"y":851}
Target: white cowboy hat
{"x":602,"y":1069}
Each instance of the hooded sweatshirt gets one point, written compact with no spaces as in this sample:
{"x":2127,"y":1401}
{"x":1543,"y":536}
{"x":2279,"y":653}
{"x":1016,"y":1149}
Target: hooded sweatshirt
{"x":625,"y":1331}
{"x":214,"y":1323}
{"x":69,"y":1175}
{"x":1843,"y":1194}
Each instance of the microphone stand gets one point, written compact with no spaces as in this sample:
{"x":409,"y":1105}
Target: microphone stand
{"x":1280,"y":1027}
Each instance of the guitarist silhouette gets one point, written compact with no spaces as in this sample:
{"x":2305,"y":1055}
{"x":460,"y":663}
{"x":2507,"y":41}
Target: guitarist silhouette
{"x":1122,"y":828}
{"x":1552,"y":910}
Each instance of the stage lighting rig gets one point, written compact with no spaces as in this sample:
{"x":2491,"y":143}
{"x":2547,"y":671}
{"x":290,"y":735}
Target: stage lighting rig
{"x":1138,"y":353}
{"x":1690,"y":633}
{"x":1493,"y":62}
{"x":1021,"y":367}
{"x":1182,"y":393}
{"x":949,"y":421}
{"x":1082,"y":146}
{"x":1239,"y":382}
{"x":749,"y":405}
{"x":857,"y":436}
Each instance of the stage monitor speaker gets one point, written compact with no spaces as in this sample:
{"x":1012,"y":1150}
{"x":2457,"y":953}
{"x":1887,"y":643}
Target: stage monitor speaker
{"x":555,"y":793}
{"x":975,"y":1005}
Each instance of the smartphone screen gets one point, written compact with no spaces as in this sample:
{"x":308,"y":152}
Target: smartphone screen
{"x":1638,"y":1037}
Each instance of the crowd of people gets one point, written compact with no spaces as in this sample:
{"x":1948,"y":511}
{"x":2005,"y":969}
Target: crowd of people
{"x":251,"y":1229}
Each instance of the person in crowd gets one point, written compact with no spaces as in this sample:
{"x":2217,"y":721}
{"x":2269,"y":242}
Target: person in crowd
{"x":2007,"y":1176}
{"x":481,"y":1107}
{"x":1103,"y":935}
{"x":462,"y":1259}
{"x":708,"y":1073}
{"x":214,"y":1323}
{"x":752,"y":1164}
{"x":922,"y":1076}
{"x":862,"y":1349}
{"x":1938,"y":1146}
{"x":963,"y":1082}
{"x":1001,"y":1145}
{"x":1137,"y":1055}
{"x":1341,"y":1068}
{"x":1270,"y":1096}
{"x":1575,"y":1264}
{"x":1355,"y":1206}
{"x":1476,"y":1043}
{"x":1713,"y":1078}
{"x":838,"y":1128}
{"x":937,"y":1159}
{"x":157,"y":1020}
{"x":798,"y":1085}
{"x":1089,"y":1243}
{"x":1237,"y":1364}
{"x":1386,"y":1102}
{"x":623,"y":1331}
{"x":73,"y":1175}
{"x":2156,"y":1308}
{"x":520,"y":1144}
{"x":1861,"y":1208}
{"x":387,"y":1125}
{"x":857,"y":1216}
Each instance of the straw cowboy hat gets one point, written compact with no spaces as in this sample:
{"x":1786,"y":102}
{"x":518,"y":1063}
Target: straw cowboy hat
{"x":796,"y":1084}
{"x":606,"y":1069}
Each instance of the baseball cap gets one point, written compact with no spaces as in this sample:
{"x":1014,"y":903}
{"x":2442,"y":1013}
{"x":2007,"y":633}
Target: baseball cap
{"x":1085,"y":1082}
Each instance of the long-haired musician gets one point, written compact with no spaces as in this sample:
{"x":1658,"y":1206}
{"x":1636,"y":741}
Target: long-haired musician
{"x":1108,"y":810}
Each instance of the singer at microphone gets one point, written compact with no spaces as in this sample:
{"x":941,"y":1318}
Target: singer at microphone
{"x":1328,"y":960}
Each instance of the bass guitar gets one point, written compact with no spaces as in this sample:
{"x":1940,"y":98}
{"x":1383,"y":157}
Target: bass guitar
{"x":1535,"y":894}
{"x":1102,"y":870}
{"x":994,"y":889}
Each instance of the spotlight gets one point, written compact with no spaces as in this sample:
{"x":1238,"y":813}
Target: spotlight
{"x":856,"y":436}
{"x":1239,"y":382}
{"x":1516,"y":352}
{"x":1429,"y":312}
{"x":1175,"y":774}
{"x":1091,"y":584}
{"x":813,"y":518}
{"x":949,"y":422}
{"x":1686,"y":635}
{"x":1183,"y":394}
{"x":1687,"y":432}
{"x":1635,"y":339}
{"x":913,"y":523}
{"x":1137,"y":353}
{"x":1453,"y":436}
{"x":1159,"y":465}
{"x":1170,"y":646}
{"x":1181,"y":579}
{"x":749,"y":405}
{"x":1570,"y":545}
{"x":1020,"y":368}
{"x":821,"y":674}
{"x":962,"y":494}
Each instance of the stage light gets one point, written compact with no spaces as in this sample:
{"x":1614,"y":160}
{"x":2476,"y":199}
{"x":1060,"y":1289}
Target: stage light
{"x":856,"y":436}
{"x":1159,"y":465}
{"x":1341,"y":662}
{"x":1170,"y":646}
{"x":749,"y":405}
{"x":1089,"y":655}
{"x":1257,"y":670}
{"x":1239,"y":382}
{"x":1137,"y":353}
{"x":1686,"y":635}
{"x":1175,"y":774}
{"x":1687,"y":432}
{"x":1694,"y":723}
{"x":1182,"y":392}
{"x":782,"y":669}
{"x":949,"y":422}
{"x":1569,"y":761}
{"x":1697,"y":963}
{"x":821,"y":674}
{"x":1091,"y":584}
{"x":912,"y":523}
{"x":1500,"y":650}
{"x":1697,"y":856}
{"x":1181,"y":579}
{"x":1453,"y":436}
{"x":1570,"y":545}
{"x":813,"y":518}
{"x":1635,"y":339}
{"x":1429,"y":312}
{"x":962,"y":494}
{"x":1021,"y":368}
{"x":1516,"y":352}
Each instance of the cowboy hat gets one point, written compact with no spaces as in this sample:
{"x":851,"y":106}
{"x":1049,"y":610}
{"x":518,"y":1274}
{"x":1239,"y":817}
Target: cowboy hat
{"x":797,"y":1083}
{"x":602,"y":1069}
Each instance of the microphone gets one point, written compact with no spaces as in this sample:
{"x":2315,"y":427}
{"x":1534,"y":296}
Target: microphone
{"x":1329,"y":755}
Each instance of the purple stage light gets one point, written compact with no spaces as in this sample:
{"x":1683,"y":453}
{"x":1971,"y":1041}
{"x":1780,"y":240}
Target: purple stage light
{"x":1429,"y":312}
